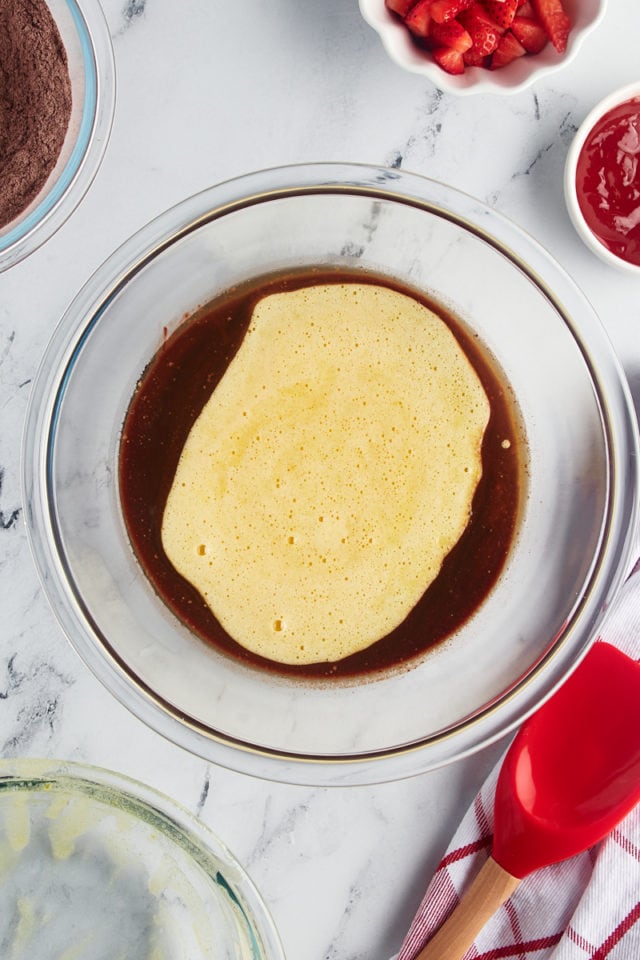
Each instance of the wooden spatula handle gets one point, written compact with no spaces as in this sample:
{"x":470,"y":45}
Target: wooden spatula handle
{"x":489,"y":890}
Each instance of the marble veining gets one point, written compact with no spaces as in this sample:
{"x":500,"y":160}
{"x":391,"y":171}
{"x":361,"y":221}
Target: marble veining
{"x":8,"y":519}
{"x":133,"y":9}
{"x":207,"y":91}
{"x":35,"y":695}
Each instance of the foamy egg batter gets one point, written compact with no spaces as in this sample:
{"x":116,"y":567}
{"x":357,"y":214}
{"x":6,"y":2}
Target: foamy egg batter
{"x":330,"y":473}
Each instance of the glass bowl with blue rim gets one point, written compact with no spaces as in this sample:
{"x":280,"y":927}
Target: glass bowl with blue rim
{"x":85,"y":37}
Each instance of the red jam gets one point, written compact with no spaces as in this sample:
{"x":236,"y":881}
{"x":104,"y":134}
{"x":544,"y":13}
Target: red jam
{"x":608,"y":180}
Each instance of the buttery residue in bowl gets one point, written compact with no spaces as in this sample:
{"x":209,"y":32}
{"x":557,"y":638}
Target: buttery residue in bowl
{"x":82,"y":879}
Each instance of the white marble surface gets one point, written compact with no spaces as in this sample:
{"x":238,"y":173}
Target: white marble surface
{"x":206,"y":91}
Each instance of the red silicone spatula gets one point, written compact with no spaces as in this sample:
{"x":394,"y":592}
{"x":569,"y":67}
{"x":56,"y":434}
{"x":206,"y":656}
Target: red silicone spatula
{"x":571,"y":774}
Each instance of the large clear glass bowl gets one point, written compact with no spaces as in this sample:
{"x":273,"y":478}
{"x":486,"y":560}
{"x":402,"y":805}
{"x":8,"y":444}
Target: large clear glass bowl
{"x":97,"y":866}
{"x":85,"y":35}
{"x":575,"y":536}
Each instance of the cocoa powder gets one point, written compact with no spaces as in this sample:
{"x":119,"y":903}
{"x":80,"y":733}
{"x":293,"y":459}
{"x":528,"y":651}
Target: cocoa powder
{"x":35,"y":102}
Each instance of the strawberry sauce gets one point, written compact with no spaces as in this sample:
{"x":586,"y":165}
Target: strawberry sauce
{"x":608,"y":181}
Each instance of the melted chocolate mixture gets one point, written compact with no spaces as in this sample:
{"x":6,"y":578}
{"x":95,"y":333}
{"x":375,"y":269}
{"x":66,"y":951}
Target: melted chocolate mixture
{"x":168,"y":400}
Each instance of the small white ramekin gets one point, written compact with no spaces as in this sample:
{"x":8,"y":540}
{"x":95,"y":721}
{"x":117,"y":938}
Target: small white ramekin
{"x":615,"y":98}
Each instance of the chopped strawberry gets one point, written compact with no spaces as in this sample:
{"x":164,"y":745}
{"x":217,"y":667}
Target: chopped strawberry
{"x":482,"y":33}
{"x":530,"y":34}
{"x":501,"y":11}
{"x":472,"y":58}
{"x":443,"y":10}
{"x":401,"y":7}
{"x":484,"y":40}
{"x":418,"y":20}
{"x":451,"y":34}
{"x":555,"y":21}
{"x":477,"y":15}
{"x":508,"y":49}
{"x":525,"y":9}
{"x":449,"y":59}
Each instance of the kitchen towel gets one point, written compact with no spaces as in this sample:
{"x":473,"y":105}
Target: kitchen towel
{"x":585,"y":908}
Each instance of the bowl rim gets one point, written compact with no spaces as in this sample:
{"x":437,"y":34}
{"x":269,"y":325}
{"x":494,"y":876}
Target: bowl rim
{"x":615,"y":98}
{"x":495,"y":720}
{"x":55,"y":206}
{"x":475,"y":80}
{"x":168,"y":816}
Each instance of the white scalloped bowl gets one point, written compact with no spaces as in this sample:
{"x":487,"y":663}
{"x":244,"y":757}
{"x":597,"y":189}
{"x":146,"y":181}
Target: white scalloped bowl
{"x":516,"y":76}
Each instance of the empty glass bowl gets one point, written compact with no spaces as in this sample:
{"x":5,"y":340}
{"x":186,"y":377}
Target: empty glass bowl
{"x":97,"y":866}
{"x":574,"y":539}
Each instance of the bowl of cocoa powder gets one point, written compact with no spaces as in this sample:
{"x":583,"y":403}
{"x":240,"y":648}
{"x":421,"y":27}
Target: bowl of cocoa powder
{"x":56,"y":109}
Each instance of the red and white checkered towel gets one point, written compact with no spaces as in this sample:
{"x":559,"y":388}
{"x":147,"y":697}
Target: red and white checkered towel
{"x":586,"y":908}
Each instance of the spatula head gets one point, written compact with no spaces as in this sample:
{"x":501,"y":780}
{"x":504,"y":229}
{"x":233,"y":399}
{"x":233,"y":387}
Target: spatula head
{"x":573,"y":771}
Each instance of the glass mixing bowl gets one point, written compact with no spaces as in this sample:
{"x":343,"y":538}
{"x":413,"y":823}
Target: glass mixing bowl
{"x":86,"y":39}
{"x":575,"y":535}
{"x":97,"y":866}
